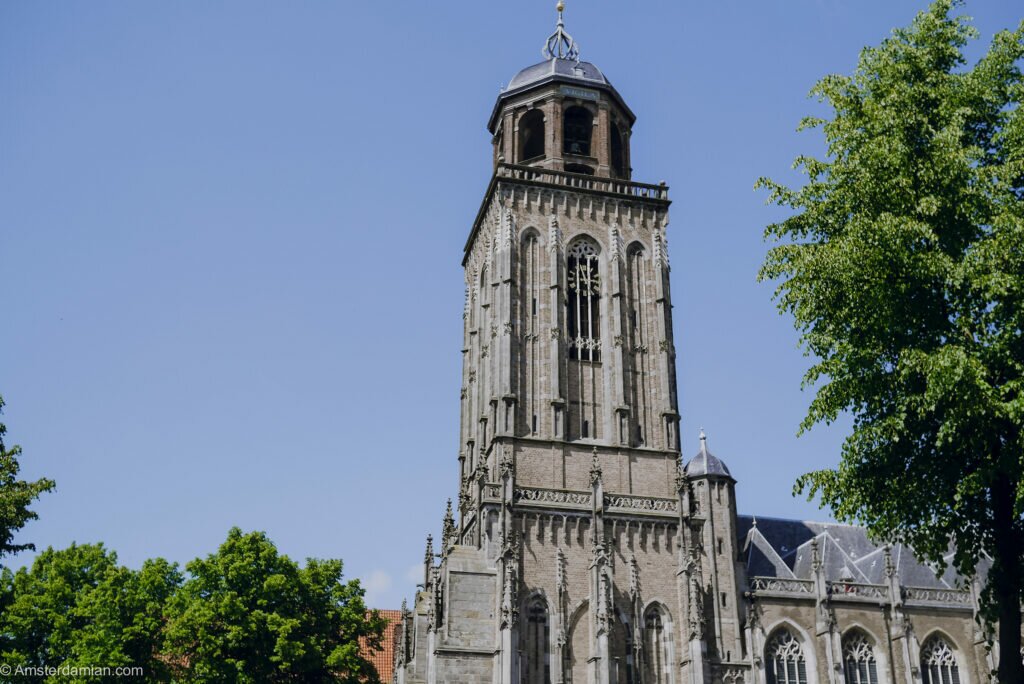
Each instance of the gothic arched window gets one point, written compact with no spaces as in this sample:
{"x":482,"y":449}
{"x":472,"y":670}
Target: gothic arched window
{"x":938,"y":662}
{"x":530,"y":265}
{"x":784,"y":659}
{"x":859,"y":660}
{"x":583,"y":310}
{"x":577,"y":131}
{"x":531,"y":136}
{"x":657,"y":661}
{"x":537,"y":668}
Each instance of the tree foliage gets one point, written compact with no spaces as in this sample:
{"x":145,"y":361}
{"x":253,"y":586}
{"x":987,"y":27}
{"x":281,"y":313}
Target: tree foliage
{"x":76,"y":607}
{"x":244,"y":614}
{"x":250,"y":614}
{"x":15,"y":495}
{"x":903,"y":268}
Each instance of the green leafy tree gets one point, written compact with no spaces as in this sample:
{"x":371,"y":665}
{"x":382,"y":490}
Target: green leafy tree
{"x":77,"y":607}
{"x":903,"y":267}
{"x":15,"y":496}
{"x":248,"y":614}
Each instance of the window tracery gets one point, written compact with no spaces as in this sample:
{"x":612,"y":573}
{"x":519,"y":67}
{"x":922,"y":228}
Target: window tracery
{"x":784,"y":659}
{"x":583,"y":315}
{"x":938,"y":662}
{"x":859,"y":660}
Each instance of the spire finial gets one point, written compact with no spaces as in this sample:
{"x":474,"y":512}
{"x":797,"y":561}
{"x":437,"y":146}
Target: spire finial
{"x":560,"y":44}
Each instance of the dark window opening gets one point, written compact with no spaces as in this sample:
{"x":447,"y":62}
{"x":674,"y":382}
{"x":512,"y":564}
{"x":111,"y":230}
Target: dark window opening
{"x":531,"y":135}
{"x":618,"y":161}
{"x":535,"y":423}
{"x":534,"y":306}
{"x":586,"y":428}
{"x":537,"y":636}
{"x":577,"y":131}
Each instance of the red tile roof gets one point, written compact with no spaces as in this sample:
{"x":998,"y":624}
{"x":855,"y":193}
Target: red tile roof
{"x":384,"y":659}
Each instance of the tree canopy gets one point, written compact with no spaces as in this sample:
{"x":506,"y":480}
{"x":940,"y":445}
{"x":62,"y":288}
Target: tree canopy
{"x":76,"y":607}
{"x":902,"y":266}
{"x":250,"y":614}
{"x":15,"y":496}
{"x":243,"y":614}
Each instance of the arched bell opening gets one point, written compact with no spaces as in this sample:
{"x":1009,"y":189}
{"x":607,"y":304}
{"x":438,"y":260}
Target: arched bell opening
{"x":578,"y":129}
{"x":531,"y":137}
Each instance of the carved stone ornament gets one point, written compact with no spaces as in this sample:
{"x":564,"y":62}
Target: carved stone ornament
{"x":556,"y":333}
{"x":507,"y":465}
{"x":682,"y":480}
{"x":428,"y":556}
{"x":560,"y":580}
{"x":604,"y":603}
{"x":510,"y":583}
{"x":600,"y":554}
{"x":696,"y":608}
{"x":595,"y":469}
{"x":755,"y":615}
{"x":634,"y":578}
{"x":448,"y":533}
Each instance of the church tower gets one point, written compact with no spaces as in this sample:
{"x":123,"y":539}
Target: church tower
{"x":581,"y":552}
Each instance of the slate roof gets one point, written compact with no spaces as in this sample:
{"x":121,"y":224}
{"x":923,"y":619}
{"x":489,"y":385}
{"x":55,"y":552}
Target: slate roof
{"x":565,"y":68}
{"x":782,"y":548}
{"x":706,"y":463}
{"x":384,"y":659}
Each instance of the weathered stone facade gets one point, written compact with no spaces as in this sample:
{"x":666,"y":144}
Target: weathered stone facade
{"x":584,"y":551}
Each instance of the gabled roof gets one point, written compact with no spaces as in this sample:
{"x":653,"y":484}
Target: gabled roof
{"x":384,"y":659}
{"x":773,"y":547}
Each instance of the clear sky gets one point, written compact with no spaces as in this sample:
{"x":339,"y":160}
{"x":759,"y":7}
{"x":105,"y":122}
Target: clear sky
{"x":230,"y":236}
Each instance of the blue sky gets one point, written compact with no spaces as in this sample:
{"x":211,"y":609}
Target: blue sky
{"x":230,"y":236}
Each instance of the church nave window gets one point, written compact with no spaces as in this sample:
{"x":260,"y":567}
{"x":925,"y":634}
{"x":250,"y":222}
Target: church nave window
{"x":784,"y":659}
{"x":859,"y":660}
{"x":938,"y":662}
{"x":536,"y":649}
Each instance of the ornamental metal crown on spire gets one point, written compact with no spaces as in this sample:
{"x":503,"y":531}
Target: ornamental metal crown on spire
{"x":560,"y":44}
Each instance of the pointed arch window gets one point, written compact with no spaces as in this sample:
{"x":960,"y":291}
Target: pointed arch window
{"x":537,"y":668}
{"x":938,"y":662}
{"x":658,"y":663}
{"x":859,"y":660}
{"x":583,"y":305}
{"x":784,"y":659}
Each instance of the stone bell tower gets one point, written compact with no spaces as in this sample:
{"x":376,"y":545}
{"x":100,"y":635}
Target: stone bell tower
{"x":574,"y":557}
